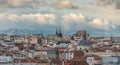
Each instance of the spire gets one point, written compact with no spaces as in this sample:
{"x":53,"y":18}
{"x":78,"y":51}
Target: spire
{"x":59,"y":29}
{"x":59,"y":32}
{"x":56,"y":31}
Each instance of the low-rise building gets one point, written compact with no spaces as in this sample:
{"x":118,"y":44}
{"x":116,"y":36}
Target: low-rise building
{"x":113,"y":60}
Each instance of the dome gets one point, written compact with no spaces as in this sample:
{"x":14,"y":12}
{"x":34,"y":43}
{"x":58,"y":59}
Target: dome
{"x":84,"y":43}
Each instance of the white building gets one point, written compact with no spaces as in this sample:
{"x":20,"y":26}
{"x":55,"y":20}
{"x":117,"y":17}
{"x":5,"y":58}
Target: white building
{"x":5,"y":59}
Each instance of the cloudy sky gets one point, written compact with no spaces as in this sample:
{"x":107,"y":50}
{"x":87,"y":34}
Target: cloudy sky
{"x":98,"y":17}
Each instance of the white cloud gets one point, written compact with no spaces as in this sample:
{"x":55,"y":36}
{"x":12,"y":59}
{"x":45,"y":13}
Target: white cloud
{"x":43,"y":19}
{"x":13,"y":17}
{"x":102,"y":24}
{"x":69,"y":21}
{"x":19,"y":2}
{"x":64,"y":4}
{"x":101,"y":12}
{"x":22,"y":3}
{"x":105,"y":2}
{"x":79,"y":21}
{"x":72,"y":19}
{"x":16,"y":21}
{"x":116,"y":3}
{"x":2,"y":16}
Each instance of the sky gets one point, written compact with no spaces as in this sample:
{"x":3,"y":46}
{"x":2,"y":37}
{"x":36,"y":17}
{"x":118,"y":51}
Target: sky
{"x":98,"y":17}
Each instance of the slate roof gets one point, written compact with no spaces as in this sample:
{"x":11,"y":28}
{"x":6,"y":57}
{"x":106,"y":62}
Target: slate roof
{"x":60,"y":42}
{"x":84,"y":41}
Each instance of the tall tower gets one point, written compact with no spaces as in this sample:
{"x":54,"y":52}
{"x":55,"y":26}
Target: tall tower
{"x":59,"y":29}
{"x":56,"y":31}
{"x":59,"y":33}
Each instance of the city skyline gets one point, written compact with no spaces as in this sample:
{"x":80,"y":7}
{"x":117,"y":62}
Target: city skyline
{"x":98,"y":17}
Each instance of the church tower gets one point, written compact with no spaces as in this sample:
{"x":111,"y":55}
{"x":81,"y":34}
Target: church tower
{"x":58,"y":31}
